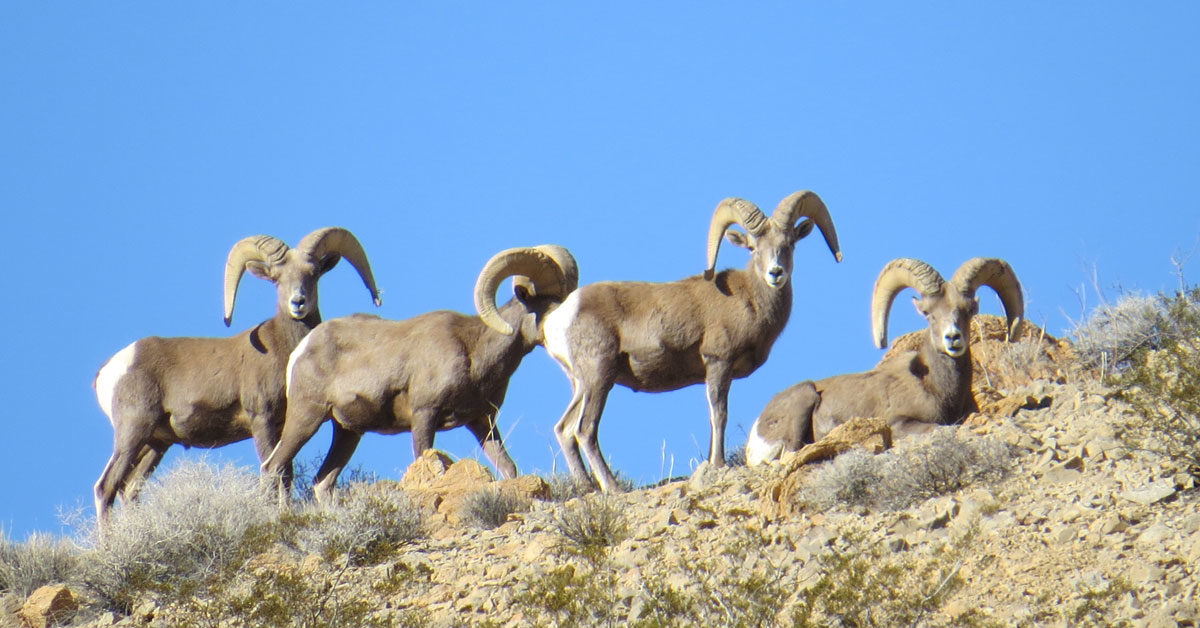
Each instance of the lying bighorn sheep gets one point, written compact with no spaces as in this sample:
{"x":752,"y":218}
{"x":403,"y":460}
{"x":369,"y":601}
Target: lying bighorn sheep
{"x":914,"y":390}
{"x":664,"y":336}
{"x":429,"y":373}
{"x":209,"y":392}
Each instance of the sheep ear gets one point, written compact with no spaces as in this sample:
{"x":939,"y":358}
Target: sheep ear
{"x":328,"y":262}
{"x":737,"y":238}
{"x":259,"y":269}
{"x":916,"y":301}
{"x":522,"y":293}
{"x":803,"y":229}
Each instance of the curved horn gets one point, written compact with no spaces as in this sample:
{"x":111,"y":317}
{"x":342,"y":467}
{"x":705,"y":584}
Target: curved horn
{"x":550,"y":268}
{"x":897,"y":275}
{"x":806,"y":204}
{"x":729,"y":212}
{"x":259,"y":248}
{"x":339,"y":241}
{"x":996,"y":274}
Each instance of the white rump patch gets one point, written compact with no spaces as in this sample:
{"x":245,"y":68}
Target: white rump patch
{"x":554,"y":330}
{"x":287,"y":375}
{"x":758,"y":449}
{"x":110,"y":374}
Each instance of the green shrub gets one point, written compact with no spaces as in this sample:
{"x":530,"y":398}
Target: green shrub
{"x":1162,"y":383}
{"x":490,"y":508}
{"x":42,"y":559}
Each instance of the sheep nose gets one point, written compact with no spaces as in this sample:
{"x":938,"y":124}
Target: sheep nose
{"x":298,"y":301}
{"x":954,"y":336}
{"x":775,"y":273}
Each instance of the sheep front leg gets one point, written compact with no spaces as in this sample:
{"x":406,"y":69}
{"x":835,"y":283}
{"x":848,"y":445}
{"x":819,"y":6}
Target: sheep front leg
{"x":488,"y":435}
{"x":717,"y":378}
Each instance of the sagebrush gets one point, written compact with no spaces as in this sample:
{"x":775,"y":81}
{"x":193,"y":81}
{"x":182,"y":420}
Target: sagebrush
{"x":1162,"y":383}
{"x":945,"y":462}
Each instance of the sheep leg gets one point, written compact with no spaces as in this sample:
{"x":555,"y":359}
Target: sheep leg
{"x":488,"y":434}
{"x":341,"y":448}
{"x":298,"y":428}
{"x":266,"y":436}
{"x":589,"y":437}
{"x":567,"y":430}
{"x":717,"y":378}
{"x":110,"y":482}
{"x":148,"y":460}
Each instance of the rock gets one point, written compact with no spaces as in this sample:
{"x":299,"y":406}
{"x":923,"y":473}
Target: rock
{"x":1155,"y":534}
{"x":1151,"y":493}
{"x":48,"y":605}
{"x":1061,"y":475}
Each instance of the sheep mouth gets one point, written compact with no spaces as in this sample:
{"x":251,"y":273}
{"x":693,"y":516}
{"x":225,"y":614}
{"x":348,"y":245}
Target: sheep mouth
{"x":955,"y":349}
{"x":298,"y":313}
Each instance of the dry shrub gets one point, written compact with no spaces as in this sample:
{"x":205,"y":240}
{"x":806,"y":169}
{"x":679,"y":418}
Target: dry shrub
{"x":942,"y":463}
{"x":367,"y":524}
{"x":1162,"y":382}
{"x":590,"y":525}
{"x":42,"y":559}
{"x":189,"y":527}
{"x":490,"y":508}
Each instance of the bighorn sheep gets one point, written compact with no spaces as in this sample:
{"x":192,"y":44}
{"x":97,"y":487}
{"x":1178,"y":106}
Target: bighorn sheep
{"x":664,"y":336}
{"x":433,"y":372}
{"x":914,"y":390}
{"x":209,"y":392}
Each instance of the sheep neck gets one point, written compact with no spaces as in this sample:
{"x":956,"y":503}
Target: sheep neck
{"x":283,"y":333}
{"x":948,"y":380}
{"x":495,"y":348}
{"x":772,"y":307}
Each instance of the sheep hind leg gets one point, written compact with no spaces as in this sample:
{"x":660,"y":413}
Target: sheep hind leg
{"x":148,"y":461}
{"x":567,"y":433}
{"x":588,"y":437}
{"x":341,"y":448}
{"x":111,"y":480}
{"x":488,"y":434}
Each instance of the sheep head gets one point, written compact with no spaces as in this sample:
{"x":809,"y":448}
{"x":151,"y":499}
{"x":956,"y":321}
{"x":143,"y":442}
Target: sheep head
{"x":771,"y":240}
{"x":947,"y":306}
{"x":546,"y":273}
{"x":295,"y":271}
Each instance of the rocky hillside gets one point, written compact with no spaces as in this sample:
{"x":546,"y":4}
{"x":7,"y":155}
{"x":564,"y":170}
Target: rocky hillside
{"x":1069,"y":527}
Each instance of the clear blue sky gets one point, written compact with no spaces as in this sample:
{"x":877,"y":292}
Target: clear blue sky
{"x":139,"y":141}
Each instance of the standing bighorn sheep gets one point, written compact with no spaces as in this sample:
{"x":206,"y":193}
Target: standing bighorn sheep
{"x":914,"y":390}
{"x":664,"y":336}
{"x":209,"y":392}
{"x":433,"y":372}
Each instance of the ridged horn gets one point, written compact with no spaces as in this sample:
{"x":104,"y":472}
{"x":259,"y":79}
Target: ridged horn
{"x":897,"y":275}
{"x":259,"y":248}
{"x":339,"y":241}
{"x":806,"y":204}
{"x":551,"y":269}
{"x":996,"y":274}
{"x":729,"y":212}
